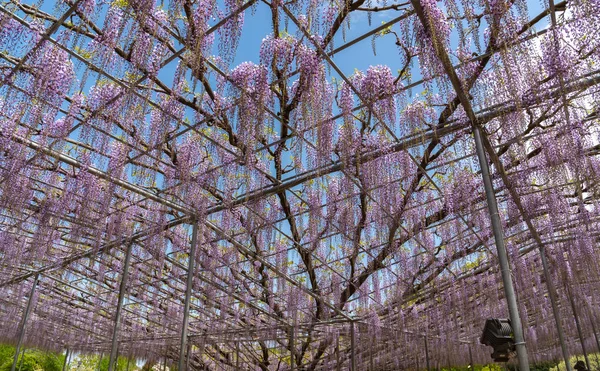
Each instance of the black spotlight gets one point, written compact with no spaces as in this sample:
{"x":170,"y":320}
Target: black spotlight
{"x":498,"y":334}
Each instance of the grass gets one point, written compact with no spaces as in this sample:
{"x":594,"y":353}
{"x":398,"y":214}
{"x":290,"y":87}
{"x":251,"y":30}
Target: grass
{"x":593,"y":357}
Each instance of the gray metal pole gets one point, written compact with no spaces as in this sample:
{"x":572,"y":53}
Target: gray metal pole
{"x":352,"y":359}
{"x":69,"y":361}
{"x":189,"y":355}
{"x":579,"y":331}
{"x":426,"y":353}
{"x":509,"y":290}
{"x":122,"y":289}
{"x":471,"y":357}
{"x":24,"y":322}
{"x":237,"y":356}
{"x":188,"y":295}
{"x":554,"y":303}
{"x":22,"y":357}
{"x":371,"y":365}
{"x":337,"y":354}
{"x":292,"y":347}
{"x":66,"y":360}
{"x":595,"y":334}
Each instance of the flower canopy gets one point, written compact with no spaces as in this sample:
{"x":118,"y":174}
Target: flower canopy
{"x":320,"y":157}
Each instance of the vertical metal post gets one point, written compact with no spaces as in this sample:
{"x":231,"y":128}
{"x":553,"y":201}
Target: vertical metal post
{"x":69,"y":361}
{"x":100,"y":361}
{"x":66,"y":360}
{"x":237,"y":356}
{"x":579,"y":332}
{"x":595,"y":335}
{"x":292,"y":348}
{"x":189,"y":355}
{"x":24,"y":322}
{"x":597,"y":343}
{"x":352,"y":344}
{"x":471,"y":357}
{"x":337,"y":354}
{"x":188,"y":295}
{"x":22,"y":358}
{"x":122,"y":288}
{"x":509,"y":290}
{"x":371,"y":365}
{"x":118,"y":355}
{"x":554,"y":303}
{"x":165,"y":364}
{"x":426,"y":353}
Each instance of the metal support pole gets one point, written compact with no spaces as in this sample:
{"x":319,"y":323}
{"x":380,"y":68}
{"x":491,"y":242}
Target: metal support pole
{"x":66,"y":360}
{"x":188,"y":295}
{"x":117,"y":326}
{"x":338,"y":366}
{"x":100,"y":361}
{"x":118,"y":355}
{"x":509,"y":290}
{"x":471,"y":357}
{"x":189,"y":355}
{"x":595,"y":334}
{"x":22,"y":358}
{"x":237,"y":356}
{"x":579,"y":331}
{"x":165,"y":364}
{"x":352,"y":359}
{"x":69,"y":361}
{"x":24,"y":322}
{"x":371,"y":365}
{"x":426,"y":353}
{"x":554,"y":303}
{"x":292,"y":347}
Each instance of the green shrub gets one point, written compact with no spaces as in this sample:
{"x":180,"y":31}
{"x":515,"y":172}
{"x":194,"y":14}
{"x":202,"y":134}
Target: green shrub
{"x":32,"y":360}
{"x":594,"y":362}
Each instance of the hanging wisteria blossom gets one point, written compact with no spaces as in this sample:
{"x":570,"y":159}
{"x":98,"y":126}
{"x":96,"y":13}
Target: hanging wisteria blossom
{"x":299,"y":185}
